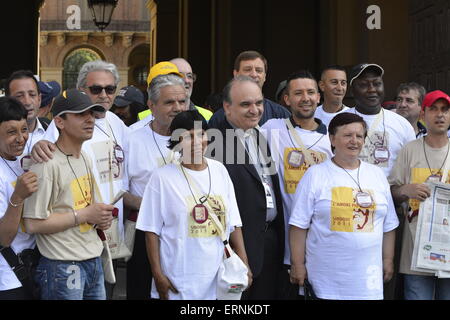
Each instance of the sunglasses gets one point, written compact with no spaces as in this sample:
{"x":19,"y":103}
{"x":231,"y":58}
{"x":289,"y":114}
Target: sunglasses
{"x":99,"y":89}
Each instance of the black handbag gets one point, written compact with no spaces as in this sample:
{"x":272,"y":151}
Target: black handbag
{"x":309,"y":292}
{"x":24,"y":266}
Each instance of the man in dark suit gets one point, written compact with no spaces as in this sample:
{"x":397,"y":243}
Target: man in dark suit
{"x":246,"y":155}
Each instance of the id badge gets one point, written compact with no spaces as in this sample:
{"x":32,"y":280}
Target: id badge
{"x":200,"y":213}
{"x":434,"y":178}
{"x":295,"y":158}
{"x":269,"y":197}
{"x":118,"y":153}
{"x":26,"y":163}
{"x":364,"y":199}
{"x":381,"y":154}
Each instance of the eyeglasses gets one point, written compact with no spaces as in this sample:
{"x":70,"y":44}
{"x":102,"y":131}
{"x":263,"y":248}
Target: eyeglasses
{"x":190,"y":76}
{"x":99,"y":89}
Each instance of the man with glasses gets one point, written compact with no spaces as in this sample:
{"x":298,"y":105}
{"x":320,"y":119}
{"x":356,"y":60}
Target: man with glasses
{"x":109,"y":143}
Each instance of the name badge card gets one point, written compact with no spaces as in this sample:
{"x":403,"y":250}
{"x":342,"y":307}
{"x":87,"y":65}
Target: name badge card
{"x":434,"y":178}
{"x":26,"y":163}
{"x":364,"y":200}
{"x":296,"y":158}
{"x":381,"y":154}
{"x":269,"y":197}
{"x":200,"y":213}
{"x":118,"y":153}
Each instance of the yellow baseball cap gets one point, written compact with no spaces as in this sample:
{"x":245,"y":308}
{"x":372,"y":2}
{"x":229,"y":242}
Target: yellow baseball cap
{"x":162,"y":68}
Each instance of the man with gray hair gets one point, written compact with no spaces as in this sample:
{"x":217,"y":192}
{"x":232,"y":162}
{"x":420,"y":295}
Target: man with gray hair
{"x":148,"y":151}
{"x":256,"y":185}
{"x":109,"y":143}
{"x":409,"y":104}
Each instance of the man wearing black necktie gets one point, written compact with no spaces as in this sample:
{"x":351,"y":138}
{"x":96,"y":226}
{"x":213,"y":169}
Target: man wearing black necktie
{"x":246,"y":156}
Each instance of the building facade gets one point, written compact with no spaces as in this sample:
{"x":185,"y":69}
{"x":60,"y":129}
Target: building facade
{"x":409,"y":38}
{"x":69,"y":38}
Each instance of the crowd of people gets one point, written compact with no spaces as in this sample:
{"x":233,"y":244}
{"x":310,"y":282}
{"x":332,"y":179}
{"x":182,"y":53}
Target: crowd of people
{"x":311,"y":196}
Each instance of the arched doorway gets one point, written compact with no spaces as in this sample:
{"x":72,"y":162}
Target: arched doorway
{"x":138,"y":63}
{"x":73,"y":63}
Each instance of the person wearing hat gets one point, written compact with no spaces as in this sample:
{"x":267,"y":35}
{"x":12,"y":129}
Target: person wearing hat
{"x":109,"y":144}
{"x":23,"y":86}
{"x":171,"y":67}
{"x":49,"y":90}
{"x":65,"y":210}
{"x":279,"y":94}
{"x":387,"y":131}
{"x":128,"y":103}
{"x":148,"y":150}
{"x":333,"y":84}
{"x":420,"y":161}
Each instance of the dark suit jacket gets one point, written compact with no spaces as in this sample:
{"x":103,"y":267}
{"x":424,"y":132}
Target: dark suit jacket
{"x":251,"y":200}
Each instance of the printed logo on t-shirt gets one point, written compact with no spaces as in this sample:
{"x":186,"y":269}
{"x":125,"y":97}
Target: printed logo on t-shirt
{"x":292,"y":174}
{"x":375,"y":150}
{"x":347,"y":215}
{"x":104,"y":160}
{"x":207,"y":228}
{"x":81,"y":198}
{"x":420,"y":175}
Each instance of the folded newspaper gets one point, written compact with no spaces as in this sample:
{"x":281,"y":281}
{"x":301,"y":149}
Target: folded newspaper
{"x":432,"y":242}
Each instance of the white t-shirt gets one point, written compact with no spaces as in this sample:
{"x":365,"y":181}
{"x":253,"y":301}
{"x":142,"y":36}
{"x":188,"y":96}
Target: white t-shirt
{"x":281,"y":143}
{"x":148,"y":151}
{"x":344,"y":241}
{"x":141,"y":123}
{"x":100,"y":150}
{"x":190,"y":252}
{"x":393,"y":131}
{"x":326,"y":117}
{"x":22,"y":241}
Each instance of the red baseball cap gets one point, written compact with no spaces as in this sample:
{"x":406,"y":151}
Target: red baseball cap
{"x":433,"y":96}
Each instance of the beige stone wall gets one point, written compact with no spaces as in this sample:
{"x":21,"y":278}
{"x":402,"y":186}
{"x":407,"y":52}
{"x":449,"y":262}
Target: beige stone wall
{"x":129,"y":30}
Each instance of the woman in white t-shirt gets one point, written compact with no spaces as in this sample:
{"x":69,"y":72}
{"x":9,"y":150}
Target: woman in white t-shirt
{"x":15,"y":187}
{"x":183,"y":243}
{"x":342,"y":222}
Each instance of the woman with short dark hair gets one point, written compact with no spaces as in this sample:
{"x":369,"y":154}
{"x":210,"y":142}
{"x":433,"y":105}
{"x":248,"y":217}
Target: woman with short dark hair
{"x":15,"y":187}
{"x":184,"y":245}
{"x":342,"y":223}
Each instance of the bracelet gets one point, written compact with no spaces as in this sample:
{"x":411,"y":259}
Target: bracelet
{"x":75,"y":215}
{"x":14,"y":205}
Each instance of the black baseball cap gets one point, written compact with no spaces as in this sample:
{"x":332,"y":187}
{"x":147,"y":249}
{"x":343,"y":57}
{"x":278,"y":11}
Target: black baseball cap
{"x":129,"y":95}
{"x":360,"y":68}
{"x":74,"y":101}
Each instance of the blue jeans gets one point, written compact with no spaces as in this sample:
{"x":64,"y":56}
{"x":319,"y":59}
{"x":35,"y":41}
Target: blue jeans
{"x":426,"y":288}
{"x":71,"y":280}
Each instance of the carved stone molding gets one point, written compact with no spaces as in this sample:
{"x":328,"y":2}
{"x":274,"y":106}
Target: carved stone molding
{"x":109,"y":39}
{"x":127,"y":39}
{"x":44,"y":39}
{"x":61,"y":39}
